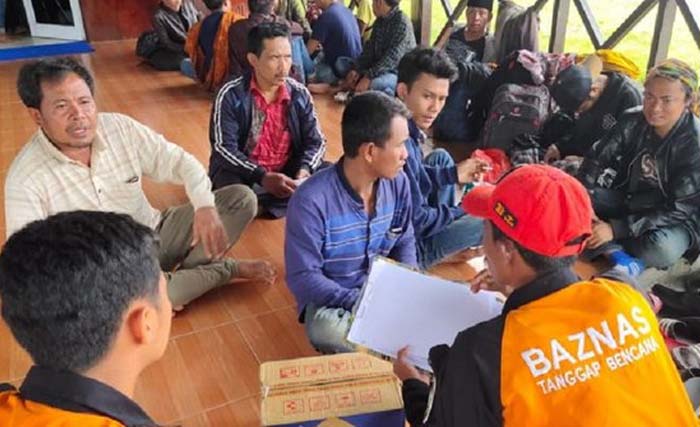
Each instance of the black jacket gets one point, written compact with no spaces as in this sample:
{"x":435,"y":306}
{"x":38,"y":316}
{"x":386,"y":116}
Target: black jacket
{"x":576,"y":137}
{"x":172,"y":27}
{"x":677,"y":159}
{"x":231,"y":121}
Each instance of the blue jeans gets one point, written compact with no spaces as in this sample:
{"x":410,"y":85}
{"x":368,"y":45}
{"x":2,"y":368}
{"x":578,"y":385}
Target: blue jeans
{"x":464,"y":233}
{"x":327,"y":327}
{"x":385,"y":83}
{"x":659,"y":248}
{"x":324,"y":73}
{"x":301,"y":58}
{"x":444,"y":195}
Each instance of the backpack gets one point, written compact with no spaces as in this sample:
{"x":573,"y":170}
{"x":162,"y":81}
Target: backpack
{"x":147,"y":44}
{"x":515,"y":110}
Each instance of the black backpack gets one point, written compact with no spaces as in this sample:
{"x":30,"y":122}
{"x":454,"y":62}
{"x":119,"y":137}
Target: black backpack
{"x":147,"y":44}
{"x":516,"y":109}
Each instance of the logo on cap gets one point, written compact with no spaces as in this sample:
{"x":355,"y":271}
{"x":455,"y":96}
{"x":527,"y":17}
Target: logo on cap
{"x":505,"y":214}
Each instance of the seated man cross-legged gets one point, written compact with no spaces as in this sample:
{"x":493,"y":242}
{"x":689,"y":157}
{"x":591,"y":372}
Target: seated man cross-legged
{"x":263,"y":131}
{"x":442,"y":229}
{"x":82,"y":159}
{"x":172,"y":20}
{"x":83,"y":294}
{"x":392,"y":36}
{"x":472,"y":41}
{"x":336,"y":38}
{"x":644,"y":177}
{"x":345,"y":215}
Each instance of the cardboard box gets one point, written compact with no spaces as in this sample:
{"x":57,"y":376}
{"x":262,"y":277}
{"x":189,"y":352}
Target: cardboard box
{"x":353,"y":388}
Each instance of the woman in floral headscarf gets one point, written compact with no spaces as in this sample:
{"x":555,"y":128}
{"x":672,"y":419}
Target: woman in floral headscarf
{"x":644,"y":176}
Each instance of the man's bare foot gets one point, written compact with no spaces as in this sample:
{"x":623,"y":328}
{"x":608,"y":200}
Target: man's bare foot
{"x":464,"y":256}
{"x":256,"y":270}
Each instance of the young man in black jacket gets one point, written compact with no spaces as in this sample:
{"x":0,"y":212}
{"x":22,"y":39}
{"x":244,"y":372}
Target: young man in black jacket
{"x":643,"y":176}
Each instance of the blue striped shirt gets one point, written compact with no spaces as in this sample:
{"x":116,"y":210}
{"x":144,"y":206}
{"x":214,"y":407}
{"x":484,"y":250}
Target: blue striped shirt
{"x":330,"y":239}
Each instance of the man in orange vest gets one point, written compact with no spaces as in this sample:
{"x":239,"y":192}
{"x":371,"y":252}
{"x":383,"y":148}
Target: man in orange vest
{"x":564,"y":352}
{"x":83,"y":294}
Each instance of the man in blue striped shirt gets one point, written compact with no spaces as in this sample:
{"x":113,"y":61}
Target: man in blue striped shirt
{"x":345,"y":215}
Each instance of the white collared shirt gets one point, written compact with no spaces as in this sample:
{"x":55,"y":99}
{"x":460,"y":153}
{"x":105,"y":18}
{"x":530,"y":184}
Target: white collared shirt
{"x":42,"y":181}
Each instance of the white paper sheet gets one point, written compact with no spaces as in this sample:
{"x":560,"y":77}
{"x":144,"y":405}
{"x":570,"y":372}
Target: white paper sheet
{"x":401,"y":307}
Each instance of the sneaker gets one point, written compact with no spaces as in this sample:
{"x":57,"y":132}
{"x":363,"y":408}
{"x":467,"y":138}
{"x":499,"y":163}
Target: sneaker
{"x":626,"y":263}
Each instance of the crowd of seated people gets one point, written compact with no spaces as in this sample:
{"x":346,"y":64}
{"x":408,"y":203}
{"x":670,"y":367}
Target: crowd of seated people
{"x":633,"y":199}
{"x":330,"y":52}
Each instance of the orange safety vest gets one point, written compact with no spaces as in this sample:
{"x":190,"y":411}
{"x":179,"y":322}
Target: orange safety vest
{"x":18,"y":412}
{"x":219,"y":65}
{"x":593,"y":348}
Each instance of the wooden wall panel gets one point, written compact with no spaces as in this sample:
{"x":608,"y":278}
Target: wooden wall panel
{"x":126,"y":19}
{"x":116,"y":19}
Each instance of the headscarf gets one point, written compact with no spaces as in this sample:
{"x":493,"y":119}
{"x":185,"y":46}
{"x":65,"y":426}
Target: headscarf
{"x":675,"y":69}
{"x":616,"y":61}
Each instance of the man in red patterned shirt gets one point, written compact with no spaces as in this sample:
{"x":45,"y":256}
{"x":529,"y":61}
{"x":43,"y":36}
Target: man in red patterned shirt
{"x":263,"y":130}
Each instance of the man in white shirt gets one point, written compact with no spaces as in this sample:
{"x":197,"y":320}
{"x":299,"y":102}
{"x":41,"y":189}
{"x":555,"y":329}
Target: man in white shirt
{"x":82,"y":160}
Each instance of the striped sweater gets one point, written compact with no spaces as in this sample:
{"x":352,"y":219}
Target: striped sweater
{"x":330,"y":239}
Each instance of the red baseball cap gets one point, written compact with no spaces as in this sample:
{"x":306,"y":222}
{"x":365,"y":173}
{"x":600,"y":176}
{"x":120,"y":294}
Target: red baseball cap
{"x":540,"y":207}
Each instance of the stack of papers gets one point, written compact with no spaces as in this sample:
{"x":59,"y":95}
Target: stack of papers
{"x":400,"y":306}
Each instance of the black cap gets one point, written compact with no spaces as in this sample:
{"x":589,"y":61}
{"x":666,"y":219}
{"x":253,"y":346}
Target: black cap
{"x":571,"y":88}
{"x":486,"y":4}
